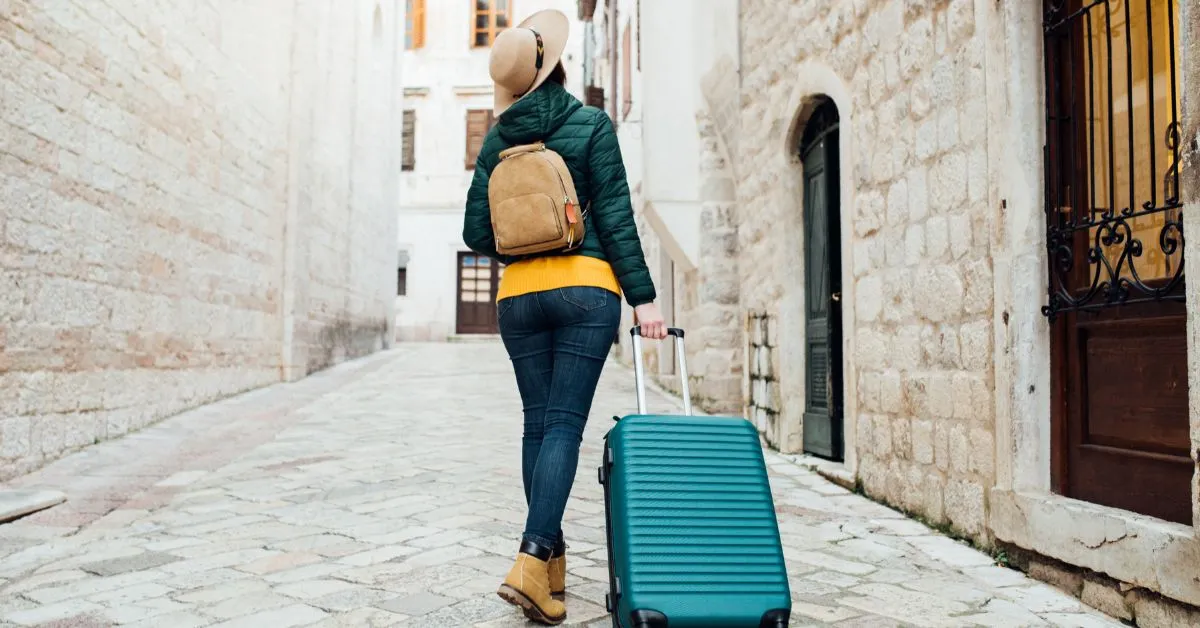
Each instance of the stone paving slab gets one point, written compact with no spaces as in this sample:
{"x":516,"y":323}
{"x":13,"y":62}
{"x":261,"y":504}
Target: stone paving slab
{"x":387,"y":493}
{"x":16,"y":503}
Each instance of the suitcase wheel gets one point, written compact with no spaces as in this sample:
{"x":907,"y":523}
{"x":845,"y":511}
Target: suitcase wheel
{"x":602,"y":474}
{"x":608,"y":602}
{"x":648,"y":619}
{"x":778,"y":618}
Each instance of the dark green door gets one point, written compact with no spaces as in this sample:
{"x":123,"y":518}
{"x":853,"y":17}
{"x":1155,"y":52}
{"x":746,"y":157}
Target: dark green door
{"x":822,"y":286}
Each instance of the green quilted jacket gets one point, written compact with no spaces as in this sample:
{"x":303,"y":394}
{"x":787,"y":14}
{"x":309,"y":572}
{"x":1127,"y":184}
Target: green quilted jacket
{"x":585,"y":138}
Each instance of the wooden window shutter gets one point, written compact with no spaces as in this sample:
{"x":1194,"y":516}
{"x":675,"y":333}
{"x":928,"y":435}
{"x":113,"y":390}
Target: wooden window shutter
{"x":594,"y":97}
{"x":419,"y":23}
{"x":414,"y":24}
{"x":626,"y":72}
{"x":587,"y":8}
{"x":408,"y":159}
{"x":479,"y":122}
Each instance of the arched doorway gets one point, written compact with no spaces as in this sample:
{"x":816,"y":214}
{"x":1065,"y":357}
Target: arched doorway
{"x":823,"y":406}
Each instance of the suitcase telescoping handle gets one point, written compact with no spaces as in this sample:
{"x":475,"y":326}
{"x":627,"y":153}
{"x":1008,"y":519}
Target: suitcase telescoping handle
{"x":639,"y":369}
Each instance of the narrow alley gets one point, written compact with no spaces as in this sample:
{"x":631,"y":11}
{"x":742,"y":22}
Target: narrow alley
{"x":252,"y":285}
{"x":386,"y":492}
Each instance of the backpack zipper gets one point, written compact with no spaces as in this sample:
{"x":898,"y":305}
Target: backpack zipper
{"x":566,"y":198}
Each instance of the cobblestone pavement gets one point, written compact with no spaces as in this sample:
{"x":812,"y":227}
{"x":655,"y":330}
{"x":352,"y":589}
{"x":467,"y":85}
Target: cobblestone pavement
{"x":387,"y":492}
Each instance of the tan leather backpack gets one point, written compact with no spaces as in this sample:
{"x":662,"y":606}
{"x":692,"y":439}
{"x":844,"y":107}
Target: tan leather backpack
{"x":533,"y":202}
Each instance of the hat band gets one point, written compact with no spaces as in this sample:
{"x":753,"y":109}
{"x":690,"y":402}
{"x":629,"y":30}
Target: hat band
{"x":541,"y":57}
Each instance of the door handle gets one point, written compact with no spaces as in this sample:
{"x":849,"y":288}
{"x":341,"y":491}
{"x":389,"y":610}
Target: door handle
{"x":837,"y":296}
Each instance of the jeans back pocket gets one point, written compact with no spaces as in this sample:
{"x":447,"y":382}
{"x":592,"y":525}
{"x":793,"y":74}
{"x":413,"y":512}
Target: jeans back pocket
{"x":503,"y":307}
{"x":586,"y":298}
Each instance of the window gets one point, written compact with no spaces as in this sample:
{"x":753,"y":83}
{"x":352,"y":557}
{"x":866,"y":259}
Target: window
{"x":1113,"y":153}
{"x":587,"y":8}
{"x":491,"y":17}
{"x":479,"y":122}
{"x":414,"y":25}
{"x":626,"y":73}
{"x":408,"y":159}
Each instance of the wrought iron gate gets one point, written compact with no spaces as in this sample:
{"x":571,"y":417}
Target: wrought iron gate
{"x":1114,"y":216}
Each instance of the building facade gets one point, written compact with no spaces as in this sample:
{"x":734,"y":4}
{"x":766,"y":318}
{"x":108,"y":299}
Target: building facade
{"x":443,"y":290}
{"x":679,"y":172}
{"x":959,"y":265}
{"x":196,"y":201}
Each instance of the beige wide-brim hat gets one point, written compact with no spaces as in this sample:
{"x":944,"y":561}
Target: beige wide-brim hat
{"x":515,"y":56}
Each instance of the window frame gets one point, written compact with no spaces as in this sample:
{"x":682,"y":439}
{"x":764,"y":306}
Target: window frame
{"x":492,"y":29}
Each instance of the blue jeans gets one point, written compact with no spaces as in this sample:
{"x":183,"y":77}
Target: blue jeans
{"x":558,"y":341}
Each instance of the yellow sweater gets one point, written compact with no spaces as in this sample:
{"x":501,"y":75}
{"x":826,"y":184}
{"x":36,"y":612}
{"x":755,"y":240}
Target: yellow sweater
{"x":550,"y":273}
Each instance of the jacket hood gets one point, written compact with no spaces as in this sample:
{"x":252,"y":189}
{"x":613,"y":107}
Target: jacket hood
{"x":538,"y":115}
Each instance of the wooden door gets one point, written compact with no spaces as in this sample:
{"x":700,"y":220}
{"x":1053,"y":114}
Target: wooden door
{"x":1115,"y":242}
{"x":478,"y":279}
{"x":822,"y":286}
{"x":1122,"y":419}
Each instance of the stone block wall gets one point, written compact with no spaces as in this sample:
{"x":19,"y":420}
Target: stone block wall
{"x":721,"y":90}
{"x":761,"y":386}
{"x":942,"y":254}
{"x":706,"y":298}
{"x":919,"y":224}
{"x":183,"y":206}
{"x":1133,"y":605}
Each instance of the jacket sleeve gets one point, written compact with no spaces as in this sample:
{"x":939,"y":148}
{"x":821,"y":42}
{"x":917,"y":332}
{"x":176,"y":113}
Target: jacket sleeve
{"x":612,"y":214}
{"x":477,"y":221}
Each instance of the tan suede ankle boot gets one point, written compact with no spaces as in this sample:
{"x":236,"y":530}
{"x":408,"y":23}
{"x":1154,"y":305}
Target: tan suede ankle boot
{"x":528,"y":586}
{"x":557,"y":569}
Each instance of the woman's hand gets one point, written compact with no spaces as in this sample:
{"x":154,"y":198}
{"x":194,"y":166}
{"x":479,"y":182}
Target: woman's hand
{"x":651,"y":321}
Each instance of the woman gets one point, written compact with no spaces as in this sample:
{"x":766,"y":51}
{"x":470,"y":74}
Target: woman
{"x":558,"y":313}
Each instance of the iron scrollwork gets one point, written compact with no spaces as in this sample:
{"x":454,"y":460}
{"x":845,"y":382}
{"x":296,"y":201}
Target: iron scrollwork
{"x":1093,"y":252}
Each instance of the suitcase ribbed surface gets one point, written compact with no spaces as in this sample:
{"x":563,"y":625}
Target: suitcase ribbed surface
{"x":694,"y":534}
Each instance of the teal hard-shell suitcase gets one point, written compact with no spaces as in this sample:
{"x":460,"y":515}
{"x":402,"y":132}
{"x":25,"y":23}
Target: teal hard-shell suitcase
{"x":693,"y":541}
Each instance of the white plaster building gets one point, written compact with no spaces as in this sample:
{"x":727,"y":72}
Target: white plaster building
{"x":653,"y":87}
{"x":448,"y":101}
